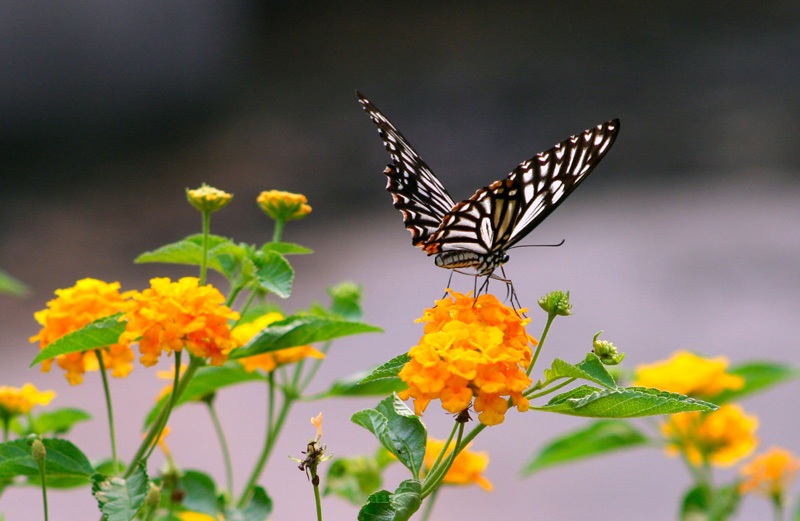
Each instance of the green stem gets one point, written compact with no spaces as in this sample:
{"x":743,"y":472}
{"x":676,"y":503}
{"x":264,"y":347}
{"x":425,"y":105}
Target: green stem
{"x":434,"y":479}
{"x":163,"y":416}
{"x":175,"y":381}
{"x":315,"y":481}
{"x":272,"y":435}
{"x":548,"y":391}
{"x":315,"y":367}
{"x":226,"y":455}
{"x":444,"y":449}
{"x":107,"y":392}
{"x":246,"y":304}
{"x":429,"y":505}
{"x":6,"y":426}
{"x":204,"y":261}
{"x":550,"y":318}
{"x":276,"y":235}
{"x":43,"y":475}
{"x":777,"y":506}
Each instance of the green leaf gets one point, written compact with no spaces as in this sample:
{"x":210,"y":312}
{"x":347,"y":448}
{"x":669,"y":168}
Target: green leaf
{"x":120,"y":499}
{"x":591,"y":369}
{"x":11,"y":286}
{"x":398,"y":429}
{"x":299,"y":330}
{"x":286,"y":248}
{"x":58,"y":421}
{"x":100,"y":333}
{"x":595,"y":439}
{"x":257,"y":509}
{"x":622,"y":402}
{"x":355,"y":478}
{"x":400,"y":506}
{"x":758,"y":376}
{"x":200,"y":493}
{"x":63,"y":459}
{"x":207,"y":380}
{"x":702,"y":503}
{"x":274,"y":274}
{"x":354,"y":385}
{"x":388,"y":370}
{"x":186,"y":251}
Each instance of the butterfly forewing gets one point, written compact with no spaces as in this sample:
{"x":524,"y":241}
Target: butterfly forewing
{"x":506,"y":211}
{"x":416,"y":192}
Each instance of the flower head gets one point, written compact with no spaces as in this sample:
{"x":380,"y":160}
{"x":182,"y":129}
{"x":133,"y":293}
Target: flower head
{"x":556,"y":303}
{"x":472,"y":348}
{"x":242,"y":334}
{"x":208,"y":199}
{"x":722,"y":437}
{"x":283,"y":206}
{"x":770,"y":474}
{"x":85,"y":302}
{"x":466,"y":468}
{"x":606,"y":351}
{"x":170,"y":316}
{"x":689,"y":374}
{"x":16,"y":400}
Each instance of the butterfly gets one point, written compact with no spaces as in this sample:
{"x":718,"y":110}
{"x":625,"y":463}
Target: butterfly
{"x":477,"y":233}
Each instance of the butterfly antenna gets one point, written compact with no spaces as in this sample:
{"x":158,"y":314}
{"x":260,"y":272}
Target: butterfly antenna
{"x":540,"y":245}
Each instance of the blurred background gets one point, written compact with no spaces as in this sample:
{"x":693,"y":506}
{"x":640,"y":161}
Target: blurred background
{"x":684,"y":237}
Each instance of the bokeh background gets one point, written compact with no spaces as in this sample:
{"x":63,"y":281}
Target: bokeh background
{"x":686,"y":236}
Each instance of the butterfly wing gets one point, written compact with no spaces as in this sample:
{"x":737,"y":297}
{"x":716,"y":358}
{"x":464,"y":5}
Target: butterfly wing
{"x":501,"y":214}
{"x":416,"y":192}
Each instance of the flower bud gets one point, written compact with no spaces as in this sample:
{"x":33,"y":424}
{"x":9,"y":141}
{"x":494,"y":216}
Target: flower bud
{"x":283,"y":206}
{"x":39,"y":452}
{"x":556,"y":303}
{"x":153,"y":497}
{"x":606,"y":351}
{"x":208,"y":199}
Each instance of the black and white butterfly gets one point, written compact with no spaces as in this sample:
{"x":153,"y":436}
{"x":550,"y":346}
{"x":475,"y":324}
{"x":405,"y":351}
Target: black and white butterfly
{"x":478,"y":232}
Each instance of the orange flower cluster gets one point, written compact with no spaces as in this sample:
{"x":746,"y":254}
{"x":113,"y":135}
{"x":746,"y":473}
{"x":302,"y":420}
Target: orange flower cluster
{"x":466,"y":468}
{"x":722,"y":437}
{"x":283,"y":206}
{"x":85,"y":302}
{"x":15,"y":400}
{"x":472,"y":348}
{"x":770,"y":474}
{"x":242,"y":334}
{"x":172,"y":315}
{"x":689,"y":374}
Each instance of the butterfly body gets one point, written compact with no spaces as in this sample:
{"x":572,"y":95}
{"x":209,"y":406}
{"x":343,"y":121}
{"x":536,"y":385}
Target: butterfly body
{"x":476,"y":233}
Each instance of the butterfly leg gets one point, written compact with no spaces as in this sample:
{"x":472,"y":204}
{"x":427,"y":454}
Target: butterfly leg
{"x":449,"y":280}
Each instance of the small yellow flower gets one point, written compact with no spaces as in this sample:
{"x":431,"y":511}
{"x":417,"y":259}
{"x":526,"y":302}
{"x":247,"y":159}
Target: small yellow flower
{"x":196,"y":516}
{"x":242,"y":334}
{"x":689,"y":374}
{"x":770,"y":474}
{"x":170,"y":316}
{"x":466,"y":468}
{"x":724,"y":436}
{"x":208,"y":199}
{"x":472,"y":348}
{"x":85,"y":302}
{"x":15,"y":400}
{"x":283,"y":206}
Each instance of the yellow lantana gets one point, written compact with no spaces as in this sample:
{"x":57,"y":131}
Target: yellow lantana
{"x":770,"y":474}
{"x":472,"y":348}
{"x":170,"y":316}
{"x":16,"y":400}
{"x":269,"y":361}
{"x":283,"y":206}
{"x":466,"y":468}
{"x":85,"y":302}
{"x":196,"y":516}
{"x":689,"y":374}
{"x":208,"y":199}
{"x":724,"y":436}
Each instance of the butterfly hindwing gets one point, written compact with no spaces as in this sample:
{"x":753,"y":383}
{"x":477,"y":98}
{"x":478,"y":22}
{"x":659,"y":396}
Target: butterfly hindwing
{"x":417,"y":193}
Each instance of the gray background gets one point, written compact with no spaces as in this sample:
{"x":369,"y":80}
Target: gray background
{"x":685,"y":237}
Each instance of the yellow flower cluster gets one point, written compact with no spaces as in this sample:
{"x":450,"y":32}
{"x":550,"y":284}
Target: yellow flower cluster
{"x":208,"y":199}
{"x":722,"y":437}
{"x":283,"y":206}
{"x":169,"y":316}
{"x":466,"y":468}
{"x":770,"y":474}
{"x":472,"y":348}
{"x":85,"y":302}
{"x":269,"y":361}
{"x":15,"y":400}
{"x":689,"y":374}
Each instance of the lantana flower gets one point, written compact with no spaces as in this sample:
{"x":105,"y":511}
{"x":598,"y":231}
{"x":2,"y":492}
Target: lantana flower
{"x":242,"y":334}
{"x":724,"y":436}
{"x":283,"y":206}
{"x":770,"y":474}
{"x":208,"y":199}
{"x":472,"y":348}
{"x":466,"y":468}
{"x":689,"y":374}
{"x":85,"y":302}
{"x":170,"y":316}
{"x":20,"y":400}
